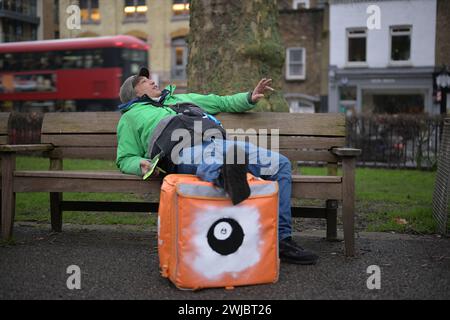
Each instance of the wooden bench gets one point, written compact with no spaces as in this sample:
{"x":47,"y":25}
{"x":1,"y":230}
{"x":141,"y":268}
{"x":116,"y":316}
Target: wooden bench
{"x":4,"y":138}
{"x":303,"y":137}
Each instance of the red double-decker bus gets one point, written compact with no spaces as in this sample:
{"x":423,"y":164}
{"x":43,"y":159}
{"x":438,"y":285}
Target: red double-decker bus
{"x":81,"y":74}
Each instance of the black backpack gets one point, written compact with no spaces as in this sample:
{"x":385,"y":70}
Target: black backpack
{"x":187,"y":115}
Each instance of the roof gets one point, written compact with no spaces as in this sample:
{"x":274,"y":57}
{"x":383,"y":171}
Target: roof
{"x":73,"y":44}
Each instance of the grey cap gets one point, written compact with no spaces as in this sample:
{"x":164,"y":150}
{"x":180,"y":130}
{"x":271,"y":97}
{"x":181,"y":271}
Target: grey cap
{"x":127,"y":92}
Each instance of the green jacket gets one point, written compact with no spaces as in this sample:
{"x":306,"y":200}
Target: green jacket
{"x":139,"y":121}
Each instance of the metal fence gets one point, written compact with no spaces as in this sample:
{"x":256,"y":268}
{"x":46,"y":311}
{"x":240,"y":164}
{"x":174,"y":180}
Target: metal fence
{"x":396,"y":141}
{"x":441,"y":194}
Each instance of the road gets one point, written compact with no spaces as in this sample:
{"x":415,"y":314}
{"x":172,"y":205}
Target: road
{"x":122,"y":263}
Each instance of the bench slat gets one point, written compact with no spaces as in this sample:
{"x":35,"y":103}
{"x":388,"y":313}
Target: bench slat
{"x":51,"y":184}
{"x":316,"y":156}
{"x":102,"y":175}
{"x":109,"y":153}
{"x":300,"y":189}
{"x":296,"y":142}
{"x":316,"y":190}
{"x":54,"y":184}
{"x":80,"y":122}
{"x":80,"y":140}
{"x":320,"y":124}
{"x":310,"y":187}
{"x":110,"y":140}
{"x":116,"y":175}
{"x":103,"y":153}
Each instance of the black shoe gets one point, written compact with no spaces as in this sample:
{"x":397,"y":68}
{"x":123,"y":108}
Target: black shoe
{"x":290,"y":252}
{"x":234,"y":178}
{"x":235,"y":182}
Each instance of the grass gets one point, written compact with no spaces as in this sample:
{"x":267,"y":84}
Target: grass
{"x":384,"y":197}
{"x":35,"y":206}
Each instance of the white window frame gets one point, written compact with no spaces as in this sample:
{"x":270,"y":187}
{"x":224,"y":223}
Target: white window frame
{"x":288,"y":63}
{"x":402,"y":33}
{"x":184,"y":15}
{"x":90,"y":10}
{"x":296,"y":3}
{"x":349,"y":36}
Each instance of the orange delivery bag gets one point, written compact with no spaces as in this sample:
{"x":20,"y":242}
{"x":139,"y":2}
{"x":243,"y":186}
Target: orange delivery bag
{"x":206,"y":242}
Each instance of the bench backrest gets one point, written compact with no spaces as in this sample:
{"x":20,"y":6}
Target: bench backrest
{"x":92,"y":135}
{"x":4,"y":125}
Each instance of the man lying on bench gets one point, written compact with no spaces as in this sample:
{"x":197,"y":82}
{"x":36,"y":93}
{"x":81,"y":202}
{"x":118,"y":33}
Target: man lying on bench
{"x":150,"y":119}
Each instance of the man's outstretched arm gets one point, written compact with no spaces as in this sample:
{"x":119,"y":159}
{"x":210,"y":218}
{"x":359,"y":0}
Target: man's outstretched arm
{"x":240,"y":102}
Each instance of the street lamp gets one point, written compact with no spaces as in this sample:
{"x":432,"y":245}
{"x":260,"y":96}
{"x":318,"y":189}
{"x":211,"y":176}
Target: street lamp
{"x":443,"y":84}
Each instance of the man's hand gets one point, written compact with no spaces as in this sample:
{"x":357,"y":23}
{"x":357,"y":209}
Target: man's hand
{"x":146,"y":166}
{"x":261,"y":89}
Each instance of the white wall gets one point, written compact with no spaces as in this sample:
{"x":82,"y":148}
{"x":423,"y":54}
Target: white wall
{"x":421,"y":14}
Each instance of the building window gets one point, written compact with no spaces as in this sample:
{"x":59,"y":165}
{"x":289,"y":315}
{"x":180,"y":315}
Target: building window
{"x":135,"y":10}
{"x":25,"y":7}
{"x":357,"y":45}
{"x":90,"y":12}
{"x":15,"y":30}
{"x":180,"y":8}
{"x":301,"y":106}
{"x":179,"y":59}
{"x":400,"y":43}
{"x":295,"y":64}
{"x":300,"y":4}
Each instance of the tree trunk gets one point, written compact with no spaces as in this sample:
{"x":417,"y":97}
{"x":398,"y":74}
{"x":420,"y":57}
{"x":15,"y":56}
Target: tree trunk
{"x":232,"y":45}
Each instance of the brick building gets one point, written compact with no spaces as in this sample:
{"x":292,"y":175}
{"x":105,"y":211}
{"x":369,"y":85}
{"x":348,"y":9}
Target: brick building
{"x":304,"y":30}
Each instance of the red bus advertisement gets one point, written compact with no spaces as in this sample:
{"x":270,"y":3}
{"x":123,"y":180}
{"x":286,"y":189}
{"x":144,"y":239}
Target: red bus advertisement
{"x":81,"y":74}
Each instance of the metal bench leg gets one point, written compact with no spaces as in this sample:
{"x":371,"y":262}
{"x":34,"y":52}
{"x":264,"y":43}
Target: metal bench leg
{"x":8,"y":195}
{"x":331,"y":206}
{"x":348,"y":204}
{"x":56,"y":199}
{"x":55,"y":211}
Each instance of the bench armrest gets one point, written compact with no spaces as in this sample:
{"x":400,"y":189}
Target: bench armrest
{"x":10,"y":148}
{"x":346,"y":152}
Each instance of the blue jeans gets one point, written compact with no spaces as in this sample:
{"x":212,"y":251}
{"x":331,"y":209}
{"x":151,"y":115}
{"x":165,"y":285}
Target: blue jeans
{"x":206,"y":160}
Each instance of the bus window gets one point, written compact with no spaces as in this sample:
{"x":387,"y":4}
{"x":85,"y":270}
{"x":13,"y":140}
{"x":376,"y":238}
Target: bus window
{"x":111,"y":57}
{"x":44,"y":63}
{"x":29,"y":61}
{"x":89,"y":60}
{"x":98,"y":59}
{"x":93,"y":59}
{"x":10,"y":62}
{"x":72,"y":60}
{"x":132,"y":61}
{"x":56,"y":59}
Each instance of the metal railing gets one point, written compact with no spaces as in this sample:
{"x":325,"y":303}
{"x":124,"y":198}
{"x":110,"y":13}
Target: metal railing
{"x":441,"y":194}
{"x":396,"y":141}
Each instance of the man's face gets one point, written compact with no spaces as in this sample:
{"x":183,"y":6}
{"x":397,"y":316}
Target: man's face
{"x":148,"y":87}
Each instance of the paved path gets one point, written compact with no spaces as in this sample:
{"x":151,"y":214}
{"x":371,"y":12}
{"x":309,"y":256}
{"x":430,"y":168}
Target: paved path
{"x":122,"y":263}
